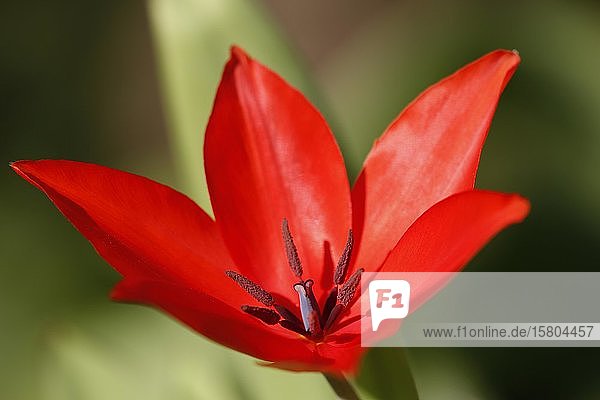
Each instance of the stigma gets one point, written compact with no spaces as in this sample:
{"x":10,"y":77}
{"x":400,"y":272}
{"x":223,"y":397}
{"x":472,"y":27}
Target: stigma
{"x":313,"y":321}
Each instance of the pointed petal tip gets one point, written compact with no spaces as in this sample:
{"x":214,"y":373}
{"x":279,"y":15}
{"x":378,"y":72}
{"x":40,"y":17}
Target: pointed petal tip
{"x":24,"y":167}
{"x":505,"y":60}
{"x":513,"y":55}
{"x":28,"y":167}
{"x":238,"y":55}
{"x":20,"y":168}
{"x":15,"y":165}
{"x":521,"y":206}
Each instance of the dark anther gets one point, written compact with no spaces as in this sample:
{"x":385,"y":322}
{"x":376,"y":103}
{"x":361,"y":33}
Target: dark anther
{"x":335,"y":313}
{"x":329,"y":304}
{"x":290,"y":249}
{"x":266,"y":315}
{"x":293,"y":327}
{"x":287,"y":314}
{"x":346,"y":293}
{"x":342,"y":266}
{"x":252,"y":288}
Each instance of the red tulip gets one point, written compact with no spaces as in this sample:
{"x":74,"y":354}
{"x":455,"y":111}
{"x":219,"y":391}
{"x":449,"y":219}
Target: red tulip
{"x":274,"y":170}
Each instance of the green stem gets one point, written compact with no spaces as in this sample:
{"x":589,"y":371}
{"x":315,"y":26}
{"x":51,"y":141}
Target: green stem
{"x":341,"y":387}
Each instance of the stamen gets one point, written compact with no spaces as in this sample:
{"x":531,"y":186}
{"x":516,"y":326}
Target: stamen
{"x":290,"y":249}
{"x":293,"y":327}
{"x":346,"y":293}
{"x":335,"y":313}
{"x":329,"y":304}
{"x":252,"y":288}
{"x":308,"y":285}
{"x":266,"y":315}
{"x":342,"y":266}
{"x":287,"y":314}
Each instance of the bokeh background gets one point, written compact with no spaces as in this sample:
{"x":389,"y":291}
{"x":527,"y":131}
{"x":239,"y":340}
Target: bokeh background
{"x":129,"y":84}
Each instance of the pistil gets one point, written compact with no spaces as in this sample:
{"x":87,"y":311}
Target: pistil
{"x":309,"y":309}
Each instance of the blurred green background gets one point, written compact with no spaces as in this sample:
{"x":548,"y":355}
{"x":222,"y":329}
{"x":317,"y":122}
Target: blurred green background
{"x":129,"y":84}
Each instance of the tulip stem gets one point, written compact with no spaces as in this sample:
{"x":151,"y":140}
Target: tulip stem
{"x":341,"y":387}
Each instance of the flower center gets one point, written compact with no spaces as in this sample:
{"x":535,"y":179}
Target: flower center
{"x":314,"y":321}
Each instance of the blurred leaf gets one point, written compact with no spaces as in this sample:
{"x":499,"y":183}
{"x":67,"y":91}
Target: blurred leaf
{"x":130,"y":352}
{"x":192,"y":38}
{"x":386,"y":374}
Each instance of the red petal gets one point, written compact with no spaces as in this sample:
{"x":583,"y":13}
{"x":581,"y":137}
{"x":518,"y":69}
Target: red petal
{"x":269,"y":155}
{"x":451,"y":232}
{"x":218,"y":321}
{"x":142,"y":228}
{"x":428,"y":153}
{"x":447,"y":236}
{"x":334,"y":360}
{"x":337,"y":354}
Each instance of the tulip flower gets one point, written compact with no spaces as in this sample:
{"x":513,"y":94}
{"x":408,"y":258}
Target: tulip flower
{"x":275,"y":273}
